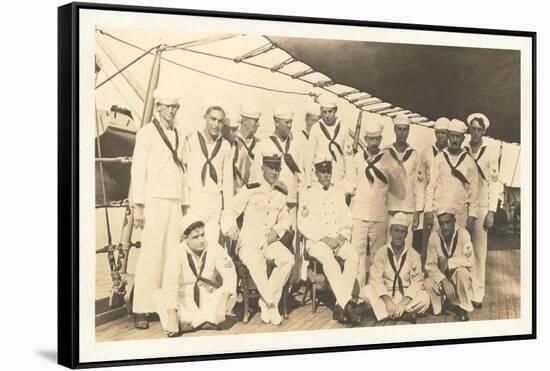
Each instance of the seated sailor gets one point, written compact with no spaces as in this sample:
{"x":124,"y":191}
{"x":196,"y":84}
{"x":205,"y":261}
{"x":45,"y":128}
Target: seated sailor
{"x":394,"y":289}
{"x":265,"y":221}
{"x":199,"y":284}
{"x":449,"y":263}
{"x":324,"y":219}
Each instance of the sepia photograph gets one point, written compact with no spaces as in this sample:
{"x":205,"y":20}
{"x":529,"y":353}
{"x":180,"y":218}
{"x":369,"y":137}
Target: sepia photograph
{"x":254,"y":185}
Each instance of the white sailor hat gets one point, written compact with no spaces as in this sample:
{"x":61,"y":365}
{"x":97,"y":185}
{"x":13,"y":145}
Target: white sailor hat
{"x":283,"y":112}
{"x":231,"y":121}
{"x":401,"y":120}
{"x":442,"y":123}
{"x":372,"y":126}
{"x":400,"y":219}
{"x":188,"y":220}
{"x":458,"y":126}
{"x":327,"y":101}
{"x":313,"y":109}
{"x":251,"y":111}
{"x":445,"y":210}
{"x":166,"y":96}
{"x":480,"y":117}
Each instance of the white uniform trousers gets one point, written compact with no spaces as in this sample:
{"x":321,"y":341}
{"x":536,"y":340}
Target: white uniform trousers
{"x":367,"y":234}
{"x":270,"y":288}
{"x":160,"y":233}
{"x":299,"y":265}
{"x":207,"y":206}
{"x":341,"y":282}
{"x":188,"y":311}
{"x":462,"y":281}
{"x":419,"y":304}
{"x":479,"y":242}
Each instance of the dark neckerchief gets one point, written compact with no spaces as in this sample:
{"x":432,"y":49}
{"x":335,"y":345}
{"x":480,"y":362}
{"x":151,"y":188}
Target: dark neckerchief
{"x":173,"y":151}
{"x":436,"y":150}
{"x":397,"y":278}
{"x":449,"y":254}
{"x":236,"y":171}
{"x":372,"y":168}
{"x":208,"y":163}
{"x":306,"y":134}
{"x":198,"y":275}
{"x":476,"y":159}
{"x":454,"y":171}
{"x":248,"y":149}
{"x":289,"y":160}
{"x":332,"y":140}
{"x":407,"y":154}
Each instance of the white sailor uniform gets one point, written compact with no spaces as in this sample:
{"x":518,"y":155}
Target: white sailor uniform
{"x":489,"y":187}
{"x":407,"y":187}
{"x":158,"y":184}
{"x":454,"y":261}
{"x":454,"y":184}
{"x":210,"y":173}
{"x":194,"y":285}
{"x":398,"y":277}
{"x":370,"y":177}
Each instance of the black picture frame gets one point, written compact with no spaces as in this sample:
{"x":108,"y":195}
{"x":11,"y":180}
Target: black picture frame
{"x":68,"y":182}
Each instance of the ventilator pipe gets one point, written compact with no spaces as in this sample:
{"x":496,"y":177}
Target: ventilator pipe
{"x":153,"y":82}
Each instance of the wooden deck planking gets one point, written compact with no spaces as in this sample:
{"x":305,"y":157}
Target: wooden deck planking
{"x":502,"y":301}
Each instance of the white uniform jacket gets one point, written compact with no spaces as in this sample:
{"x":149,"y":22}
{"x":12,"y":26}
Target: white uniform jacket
{"x":324,"y":213}
{"x":210,"y":167}
{"x":244,"y":154}
{"x":486,"y":160}
{"x":370,"y":176}
{"x":447,"y":189}
{"x":329,"y":142}
{"x":426,"y":160}
{"x":407,"y":187}
{"x":403,"y":277}
{"x":442,"y":259}
{"x":213,"y":266}
{"x":264,"y":208}
{"x":154,"y":172}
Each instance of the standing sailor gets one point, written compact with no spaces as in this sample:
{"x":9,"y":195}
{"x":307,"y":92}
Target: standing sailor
{"x":158,"y":178}
{"x":395,"y":287}
{"x":441,"y":131}
{"x":486,"y":160}
{"x":408,"y":188}
{"x":282,"y":143}
{"x":210,"y":165}
{"x":329,"y":139}
{"x":449,"y":263}
{"x":369,"y":177}
{"x":301,"y":139}
{"x":325,"y":221}
{"x":199,"y":284}
{"x":265,"y":221}
{"x":245,"y":145}
{"x":453,"y":181}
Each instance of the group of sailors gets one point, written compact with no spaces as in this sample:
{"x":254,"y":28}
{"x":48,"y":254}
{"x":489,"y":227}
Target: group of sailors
{"x":354,"y":208}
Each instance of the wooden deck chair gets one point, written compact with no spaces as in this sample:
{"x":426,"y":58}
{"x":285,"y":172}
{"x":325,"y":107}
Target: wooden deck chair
{"x":316,"y":279}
